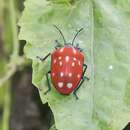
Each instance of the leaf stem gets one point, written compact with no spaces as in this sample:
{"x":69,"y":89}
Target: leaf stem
{"x":14,"y":29}
{"x":92,"y":42}
{"x":15,"y":59}
{"x":6,"y":113}
{"x":9,"y":73}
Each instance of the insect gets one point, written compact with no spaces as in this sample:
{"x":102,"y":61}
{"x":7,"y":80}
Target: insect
{"x":67,"y":66}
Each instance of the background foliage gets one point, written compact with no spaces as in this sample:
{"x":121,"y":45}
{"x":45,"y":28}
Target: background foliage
{"x":9,"y":56}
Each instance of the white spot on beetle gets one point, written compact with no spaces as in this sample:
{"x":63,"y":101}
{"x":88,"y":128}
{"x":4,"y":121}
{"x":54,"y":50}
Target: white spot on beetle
{"x":60,"y":63}
{"x":62,"y":49}
{"x":54,"y":61}
{"x":79,"y":63}
{"x":69,"y":85}
{"x":74,"y":51}
{"x":60,"y":84}
{"x":53,"y":74}
{"x":70,"y":74}
{"x":74,"y":59}
{"x":73,"y":64}
{"x":61,"y":74}
{"x":67,"y":58}
{"x":59,"y":57}
{"x":78,"y":75}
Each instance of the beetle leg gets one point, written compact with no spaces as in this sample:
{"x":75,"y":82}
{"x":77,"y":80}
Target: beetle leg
{"x":81,"y":82}
{"x":48,"y":82}
{"x":79,"y":85}
{"x":44,"y":58}
{"x":77,"y":45}
{"x":85,"y":71}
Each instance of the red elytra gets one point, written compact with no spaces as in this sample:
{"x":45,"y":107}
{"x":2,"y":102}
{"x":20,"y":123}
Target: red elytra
{"x":67,"y":67}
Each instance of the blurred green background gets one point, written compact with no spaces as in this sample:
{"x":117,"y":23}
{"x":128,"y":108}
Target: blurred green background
{"x":10,"y":11}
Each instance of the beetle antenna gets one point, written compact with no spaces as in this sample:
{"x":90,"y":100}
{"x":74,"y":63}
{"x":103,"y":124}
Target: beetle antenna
{"x":76,"y":35}
{"x":60,"y":33}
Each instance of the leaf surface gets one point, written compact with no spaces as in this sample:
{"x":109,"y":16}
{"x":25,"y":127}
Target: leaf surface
{"x":104,"y":100}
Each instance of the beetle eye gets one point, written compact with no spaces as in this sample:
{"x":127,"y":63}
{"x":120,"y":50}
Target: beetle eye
{"x":81,"y":50}
{"x":58,"y":45}
{"x":77,"y":45}
{"x":78,"y":48}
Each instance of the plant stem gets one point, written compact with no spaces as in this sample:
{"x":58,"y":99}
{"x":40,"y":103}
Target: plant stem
{"x":8,"y":74}
{"x":6,"y":113}
{"x":14,"y":29}
{"x":15,"y":59}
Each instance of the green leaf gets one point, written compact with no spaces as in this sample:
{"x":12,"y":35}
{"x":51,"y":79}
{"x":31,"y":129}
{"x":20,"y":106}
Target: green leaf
{"x":104,"y":100}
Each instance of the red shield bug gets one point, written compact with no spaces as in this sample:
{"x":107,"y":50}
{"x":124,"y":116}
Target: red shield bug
{"x":67,"y":67}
